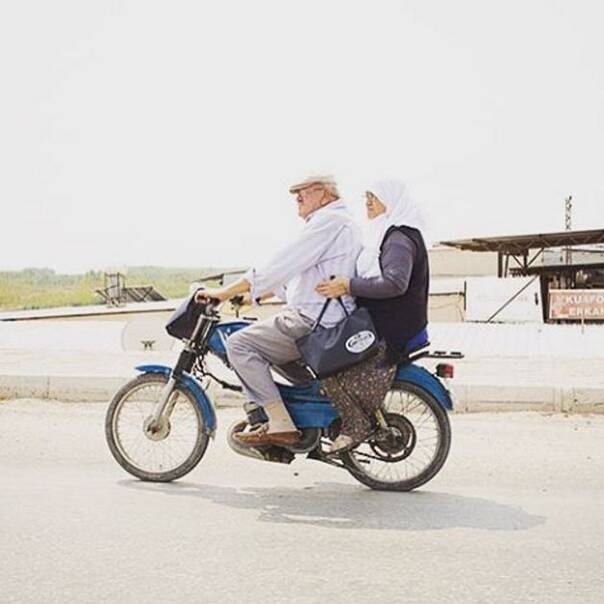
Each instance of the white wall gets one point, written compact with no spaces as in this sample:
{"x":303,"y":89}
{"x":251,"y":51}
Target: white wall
{"x":487,"y":294}
{"x":450,"y":262}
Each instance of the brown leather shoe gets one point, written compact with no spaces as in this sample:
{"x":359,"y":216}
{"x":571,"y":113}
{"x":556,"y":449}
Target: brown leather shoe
{"x":261,"y":436}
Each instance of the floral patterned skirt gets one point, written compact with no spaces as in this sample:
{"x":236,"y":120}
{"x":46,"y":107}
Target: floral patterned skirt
{"x":357,"y":392}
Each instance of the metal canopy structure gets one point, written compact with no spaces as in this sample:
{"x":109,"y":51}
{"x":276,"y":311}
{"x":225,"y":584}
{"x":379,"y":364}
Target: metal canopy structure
{"x":519,"y":247}
{"x":519,"y":243}
{"x":524,"y":250}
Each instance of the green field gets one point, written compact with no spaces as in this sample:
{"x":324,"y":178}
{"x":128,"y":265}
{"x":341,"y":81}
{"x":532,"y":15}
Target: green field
{"x":44,"y":288}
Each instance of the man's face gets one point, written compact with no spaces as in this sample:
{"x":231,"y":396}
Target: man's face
{"x":310,"y":199}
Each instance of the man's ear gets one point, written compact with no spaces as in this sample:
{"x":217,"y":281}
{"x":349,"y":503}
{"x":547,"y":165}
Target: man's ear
{"x":326,"y":200}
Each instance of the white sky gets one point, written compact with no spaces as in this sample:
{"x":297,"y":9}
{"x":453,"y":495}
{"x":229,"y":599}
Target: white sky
{"x":146,"y":132}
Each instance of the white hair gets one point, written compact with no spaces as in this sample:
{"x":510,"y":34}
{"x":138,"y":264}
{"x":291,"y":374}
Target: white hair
{"x":332,"y":189}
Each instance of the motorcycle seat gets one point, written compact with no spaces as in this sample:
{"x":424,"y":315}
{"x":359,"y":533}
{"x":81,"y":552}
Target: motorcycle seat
{"x":417,"y":342}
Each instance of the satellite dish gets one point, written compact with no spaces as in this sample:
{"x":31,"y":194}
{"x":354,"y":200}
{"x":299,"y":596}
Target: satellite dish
{"x":146,"y":334}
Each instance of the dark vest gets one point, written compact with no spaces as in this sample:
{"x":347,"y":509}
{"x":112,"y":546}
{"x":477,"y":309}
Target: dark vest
{"x":398,"y":319}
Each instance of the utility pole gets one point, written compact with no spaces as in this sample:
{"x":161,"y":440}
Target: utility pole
{"x":568,"y":221}
{"x":568,"y":215}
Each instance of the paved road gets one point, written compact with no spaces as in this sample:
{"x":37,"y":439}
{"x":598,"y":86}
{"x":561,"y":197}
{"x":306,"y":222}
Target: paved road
{"x":516,"y":515}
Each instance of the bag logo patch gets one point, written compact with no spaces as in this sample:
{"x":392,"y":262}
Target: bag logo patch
{"x":360,"y":342}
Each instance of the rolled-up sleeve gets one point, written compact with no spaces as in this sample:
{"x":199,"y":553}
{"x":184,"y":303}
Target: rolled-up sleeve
{"x":398,"y":256}
{"x":304,"y":252}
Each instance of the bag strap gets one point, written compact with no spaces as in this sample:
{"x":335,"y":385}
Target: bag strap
{"x":343,"y":306}
{"x":318,"y":321}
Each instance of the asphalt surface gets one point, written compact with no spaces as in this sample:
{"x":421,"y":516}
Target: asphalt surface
{"x":516,"y":515}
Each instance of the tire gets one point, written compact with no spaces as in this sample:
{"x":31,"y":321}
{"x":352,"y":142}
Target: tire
{"x":442,"y":427}
{"x":198,"y":430}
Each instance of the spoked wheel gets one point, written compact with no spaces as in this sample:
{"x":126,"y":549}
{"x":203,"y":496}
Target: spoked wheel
{"x":161,"y":451}
{"x":413,"y":447}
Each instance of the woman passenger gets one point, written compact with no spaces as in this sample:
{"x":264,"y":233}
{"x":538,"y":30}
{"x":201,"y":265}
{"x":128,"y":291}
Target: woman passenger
{"x":392,"y":283}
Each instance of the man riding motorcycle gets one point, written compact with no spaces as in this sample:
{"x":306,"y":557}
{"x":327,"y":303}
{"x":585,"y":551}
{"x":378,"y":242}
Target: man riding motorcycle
{"x":328,"y":245}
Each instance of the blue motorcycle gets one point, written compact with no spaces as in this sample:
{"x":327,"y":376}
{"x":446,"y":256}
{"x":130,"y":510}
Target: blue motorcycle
{"x":159,"y":424}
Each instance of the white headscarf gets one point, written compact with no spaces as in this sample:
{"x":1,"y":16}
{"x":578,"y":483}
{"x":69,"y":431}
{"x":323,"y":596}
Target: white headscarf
{"x":401,"y":210}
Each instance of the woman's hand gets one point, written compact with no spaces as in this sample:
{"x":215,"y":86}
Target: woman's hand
{"x":334,"y":288}
{"x":204,"y":295}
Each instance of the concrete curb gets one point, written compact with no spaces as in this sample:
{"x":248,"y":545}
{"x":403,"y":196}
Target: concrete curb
{"x":60,"y":387}
{"x":483,"y":397}
{"x":466,"y":397}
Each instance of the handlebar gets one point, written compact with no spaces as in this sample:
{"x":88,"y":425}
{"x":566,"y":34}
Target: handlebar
{"x":211,"y":304}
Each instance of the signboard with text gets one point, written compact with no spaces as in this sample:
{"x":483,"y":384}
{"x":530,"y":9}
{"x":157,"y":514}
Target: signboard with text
{"x":576,"y":304}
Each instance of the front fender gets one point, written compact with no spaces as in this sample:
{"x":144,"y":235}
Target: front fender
{"x":424,"y":379}
{"x":194,"y":387}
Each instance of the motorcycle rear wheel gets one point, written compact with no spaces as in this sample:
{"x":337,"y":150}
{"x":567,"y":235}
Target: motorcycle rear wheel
{"x":411,"y":451}
{"x":178,"y":446}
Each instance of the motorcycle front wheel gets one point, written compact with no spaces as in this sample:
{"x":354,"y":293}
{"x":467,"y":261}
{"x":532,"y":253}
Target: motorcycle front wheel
{"x":161,"y":452}
{"x":410,"y":450}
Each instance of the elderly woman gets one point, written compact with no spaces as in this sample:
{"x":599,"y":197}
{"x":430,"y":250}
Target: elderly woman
{"x":392,"y":283}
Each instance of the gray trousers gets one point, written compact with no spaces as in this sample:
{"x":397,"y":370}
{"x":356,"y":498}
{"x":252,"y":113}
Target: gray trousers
{"x":251,"y":352}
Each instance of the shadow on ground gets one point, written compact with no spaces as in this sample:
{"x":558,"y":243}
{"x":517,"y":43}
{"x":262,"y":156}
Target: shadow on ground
{"x":335,"y":505}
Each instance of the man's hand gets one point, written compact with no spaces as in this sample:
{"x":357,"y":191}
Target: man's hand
{"x":241,"y":300}
{"x":223,"y":293}
{"x":205,"y":295}
{"x":334,"y":288}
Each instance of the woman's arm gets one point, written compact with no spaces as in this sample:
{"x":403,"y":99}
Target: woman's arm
{"x":398,"y":256}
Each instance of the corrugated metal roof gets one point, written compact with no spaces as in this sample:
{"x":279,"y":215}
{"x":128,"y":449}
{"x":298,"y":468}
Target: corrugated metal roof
{"x":89,"y":311}
{"x":515,"y":244}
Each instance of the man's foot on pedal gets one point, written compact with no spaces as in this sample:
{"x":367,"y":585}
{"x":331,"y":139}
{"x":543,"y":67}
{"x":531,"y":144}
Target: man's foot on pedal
{"x":261,"y":436}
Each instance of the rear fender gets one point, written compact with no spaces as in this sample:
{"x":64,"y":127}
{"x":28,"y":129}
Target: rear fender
{"x":194,"y":387}
{"x":421,"y":377}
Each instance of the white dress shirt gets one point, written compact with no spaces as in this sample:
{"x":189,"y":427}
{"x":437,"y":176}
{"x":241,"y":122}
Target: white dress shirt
{"x":328,"y":245}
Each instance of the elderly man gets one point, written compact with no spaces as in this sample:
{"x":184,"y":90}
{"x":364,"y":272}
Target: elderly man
{"x":328,"y":245}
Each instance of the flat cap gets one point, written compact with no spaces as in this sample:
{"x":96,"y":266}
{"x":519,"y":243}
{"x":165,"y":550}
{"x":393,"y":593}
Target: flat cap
{"x":313,"y":180}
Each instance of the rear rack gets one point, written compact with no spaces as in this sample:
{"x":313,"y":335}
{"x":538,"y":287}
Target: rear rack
{"x":442,"y":354}
{"x":436,"y":354}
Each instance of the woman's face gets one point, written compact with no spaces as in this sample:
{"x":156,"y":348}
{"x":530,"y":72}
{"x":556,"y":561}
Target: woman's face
{"x":374,"y":206}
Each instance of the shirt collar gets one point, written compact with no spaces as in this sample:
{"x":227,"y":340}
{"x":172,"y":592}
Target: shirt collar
{"x":337,"y":205}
